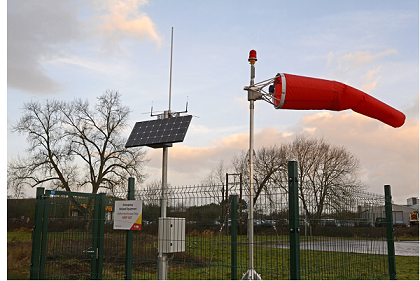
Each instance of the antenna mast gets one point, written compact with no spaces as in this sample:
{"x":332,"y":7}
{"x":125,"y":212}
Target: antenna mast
{"x":170,"y":74}
{"x":165,"y":132}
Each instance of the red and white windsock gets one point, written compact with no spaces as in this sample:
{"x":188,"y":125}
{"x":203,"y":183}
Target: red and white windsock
{"x":305,"y":93}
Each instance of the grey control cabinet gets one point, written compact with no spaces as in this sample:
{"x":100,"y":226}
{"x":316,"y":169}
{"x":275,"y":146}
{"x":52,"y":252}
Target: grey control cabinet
{"x":171,"y":235}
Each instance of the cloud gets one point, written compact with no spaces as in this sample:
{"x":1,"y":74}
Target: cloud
{"x":350,"y":65}
{"x":124,"y":19}
{"x":330,"y":58}
{"x":43,"y":32}
{"x":30,"y":77}
{"x":411,"y":110}
{"x":190,"y":165}
{"x":36,"y":32}
{"x":368,"y":84}
{"x":185,"y":159}
{"x":359,"y":58}
{"x":387,"y":155}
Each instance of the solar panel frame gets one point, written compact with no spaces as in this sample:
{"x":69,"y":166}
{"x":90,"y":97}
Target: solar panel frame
{"x":159,"y":133}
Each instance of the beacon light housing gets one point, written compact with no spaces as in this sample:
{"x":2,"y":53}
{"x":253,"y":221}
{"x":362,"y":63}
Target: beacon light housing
{"x":252,"y":56}
{"x":305,"y":93}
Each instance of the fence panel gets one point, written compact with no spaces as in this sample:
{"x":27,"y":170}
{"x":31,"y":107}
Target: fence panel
{"x":338,"y":238}
{"x":206,"y":241}
{"x":208,"y":234}
{"x":114,"y":257}
{"x":271,"y":234}
{"x":70,"y":227}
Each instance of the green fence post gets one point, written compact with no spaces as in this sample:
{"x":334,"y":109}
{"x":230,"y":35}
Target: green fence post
{"x":95,"y":240}
{"x":129,"y":237}
{"x":46,"y":204}
{"x":36,"y":234}
{"x":233,"y":233}
{"x":101,"y":234}
{"x":390,"y":233}
{"x":294,"y":221}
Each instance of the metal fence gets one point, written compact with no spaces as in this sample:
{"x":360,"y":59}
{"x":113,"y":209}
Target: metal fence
{"x":338,"y":239}
{"x":342,"y":241}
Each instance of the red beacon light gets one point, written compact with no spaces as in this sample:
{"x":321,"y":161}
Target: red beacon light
{"x":252,"y":57}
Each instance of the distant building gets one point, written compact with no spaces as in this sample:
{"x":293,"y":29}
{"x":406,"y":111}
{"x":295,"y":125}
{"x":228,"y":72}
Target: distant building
{"x":399,"y":212}
{"x":412,"y":201}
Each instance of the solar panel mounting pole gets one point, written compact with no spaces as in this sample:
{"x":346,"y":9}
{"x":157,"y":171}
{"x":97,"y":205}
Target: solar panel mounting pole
{"x":164,"y":176}
{"x":162,"y":257}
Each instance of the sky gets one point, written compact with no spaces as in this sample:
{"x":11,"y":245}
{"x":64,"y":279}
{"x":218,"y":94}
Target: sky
{"x":79,"y":49}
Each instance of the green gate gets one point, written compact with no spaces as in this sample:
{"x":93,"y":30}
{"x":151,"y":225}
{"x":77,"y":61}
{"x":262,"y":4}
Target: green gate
{"x":68,"y":237}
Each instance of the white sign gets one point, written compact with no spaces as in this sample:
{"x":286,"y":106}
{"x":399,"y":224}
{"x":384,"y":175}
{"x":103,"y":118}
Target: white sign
{"x":128,"y":214}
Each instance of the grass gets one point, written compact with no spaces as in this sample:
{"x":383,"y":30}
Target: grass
{"x":208,"y":257}
{"x":18,"y":259}
{"x":19,"y":236}
{"x":407,"y":268}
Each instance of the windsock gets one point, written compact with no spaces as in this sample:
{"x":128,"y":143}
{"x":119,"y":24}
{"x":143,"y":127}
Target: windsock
{"x":305,"y":93}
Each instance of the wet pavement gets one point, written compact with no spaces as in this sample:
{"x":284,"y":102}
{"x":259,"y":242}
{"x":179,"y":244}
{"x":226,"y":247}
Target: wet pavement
{"x":407,"y":248}
{"x":377,"y":247}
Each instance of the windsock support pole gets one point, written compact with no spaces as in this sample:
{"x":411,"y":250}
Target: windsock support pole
{"x":252,"y":97}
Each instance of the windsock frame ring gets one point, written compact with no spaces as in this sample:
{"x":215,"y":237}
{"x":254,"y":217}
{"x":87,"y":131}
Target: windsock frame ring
{"x":283,"y":92}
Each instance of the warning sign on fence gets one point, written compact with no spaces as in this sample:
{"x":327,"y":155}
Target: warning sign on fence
{"x":127,"y":215}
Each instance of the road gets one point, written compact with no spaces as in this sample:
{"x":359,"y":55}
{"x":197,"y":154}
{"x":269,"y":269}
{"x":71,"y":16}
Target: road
{"x":378,"y":247}
{"x":407,"y":248}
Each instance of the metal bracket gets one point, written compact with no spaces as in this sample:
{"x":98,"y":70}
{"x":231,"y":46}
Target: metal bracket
{"x":256,"y":91}
{"x":253,"y":93}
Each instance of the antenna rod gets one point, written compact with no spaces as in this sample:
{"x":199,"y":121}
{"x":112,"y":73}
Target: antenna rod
{"x":170,"y":75}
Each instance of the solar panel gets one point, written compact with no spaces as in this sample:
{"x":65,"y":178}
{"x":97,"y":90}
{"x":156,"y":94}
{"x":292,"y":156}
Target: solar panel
{"x":160,"y":132}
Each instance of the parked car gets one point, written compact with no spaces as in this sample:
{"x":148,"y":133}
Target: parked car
{"x":270,"y":222}
{"x":380,"y":222}
{"x":145,"y":222}
{"x":303,"y":222}
{"x":399,"y":224}
{"x":266,"y":223}
{"x":330,"y":222}
{"x":362,"y":223}
{"x":348,"y":223}
{"x":217,"y":223}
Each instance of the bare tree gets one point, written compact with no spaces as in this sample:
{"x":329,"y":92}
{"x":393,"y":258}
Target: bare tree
{"x":152,"y":192}
{"x":215,"y":182}
{"x":269,"y":163}
{"x":15,"y":187}
{"x":73,"y":146}
{"x":327,"y":174}
{"x":48,"y":158}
